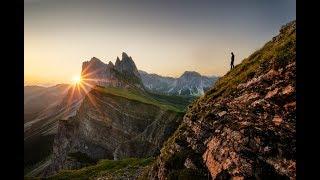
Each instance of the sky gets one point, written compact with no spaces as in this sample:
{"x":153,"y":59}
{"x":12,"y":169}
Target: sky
{"x":162,"y":37}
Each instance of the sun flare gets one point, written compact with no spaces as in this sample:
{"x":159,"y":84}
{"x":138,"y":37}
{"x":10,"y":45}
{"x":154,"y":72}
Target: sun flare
{"x":76,"y":79}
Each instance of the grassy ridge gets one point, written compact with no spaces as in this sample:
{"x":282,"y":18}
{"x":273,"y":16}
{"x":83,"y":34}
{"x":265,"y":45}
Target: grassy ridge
{"x":173,"y":103}
{"x":280,"y":51}
{"x":181,"y":102}
{"x":107,"y":168}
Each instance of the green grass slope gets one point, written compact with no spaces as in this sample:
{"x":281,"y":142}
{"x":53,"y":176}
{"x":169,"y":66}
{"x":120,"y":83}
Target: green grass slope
{"x":174,"y":103}
{"x":280,"y":50}
{"x":109,"y":169}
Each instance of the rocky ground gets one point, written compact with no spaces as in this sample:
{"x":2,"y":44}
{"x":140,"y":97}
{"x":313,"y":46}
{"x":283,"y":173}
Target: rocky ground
{"x":244,"y":127}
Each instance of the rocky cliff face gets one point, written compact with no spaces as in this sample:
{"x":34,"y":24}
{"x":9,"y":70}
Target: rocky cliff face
{"x":190,"y":83}
{"x":244,"y":127}
{"x":126,"y":66}
{"x":123,"y":74}
{"x":112,"y":123}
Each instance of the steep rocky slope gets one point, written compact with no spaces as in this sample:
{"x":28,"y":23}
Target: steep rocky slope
{"x":113,"y":123}
{"x":244,"y":127}
{"x":190,"y":83}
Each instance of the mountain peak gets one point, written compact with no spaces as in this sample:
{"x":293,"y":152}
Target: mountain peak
{"x":189,"y":84}
{"x":190,"y":74}
{"x":94,"y":64}
{"x":124,"y":56}
{"x":126,"y":65}
{"x":127,"y":59}
{"x":123,"y":73}
{"x":95,"y":59}
{"x":110,"y":65}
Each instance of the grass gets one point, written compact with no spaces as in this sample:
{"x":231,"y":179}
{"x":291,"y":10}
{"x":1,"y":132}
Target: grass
{"x":81,"y":157}
{"x":279,"y":52}
{"x":104,"y":168}
{"x":180,"y":102}
{"x":147,"y":98}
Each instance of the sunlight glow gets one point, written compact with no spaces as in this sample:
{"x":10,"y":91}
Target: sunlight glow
{"x":76,"y":79}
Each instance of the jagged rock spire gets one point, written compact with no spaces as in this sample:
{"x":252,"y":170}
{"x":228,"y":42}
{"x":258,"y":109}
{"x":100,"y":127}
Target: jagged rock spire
{"x":124,"y":55}
{"x":106,"y":74}
{"x":110,"y":65}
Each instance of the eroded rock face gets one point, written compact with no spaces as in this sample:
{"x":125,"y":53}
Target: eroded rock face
{"x":127,"y":66}
{"x":246,"y":130}
{"x":123,"y":74}
{"x":111,"y":127}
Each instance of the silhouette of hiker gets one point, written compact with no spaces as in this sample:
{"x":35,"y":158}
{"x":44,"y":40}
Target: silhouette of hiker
{"x":232,"y":60}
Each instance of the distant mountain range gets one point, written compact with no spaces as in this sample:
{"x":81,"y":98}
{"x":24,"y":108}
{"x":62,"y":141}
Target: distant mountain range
{"x":125,"y":74}
{"x":190,"y":83}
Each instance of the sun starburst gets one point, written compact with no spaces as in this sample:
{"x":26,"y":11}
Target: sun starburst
{"x":76,"y":79}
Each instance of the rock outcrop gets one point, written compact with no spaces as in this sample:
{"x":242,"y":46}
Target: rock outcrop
{"x":244,"y":127}
{"x":123,"y":74}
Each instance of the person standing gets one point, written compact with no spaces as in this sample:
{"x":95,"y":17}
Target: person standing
{"x":232,"y":60}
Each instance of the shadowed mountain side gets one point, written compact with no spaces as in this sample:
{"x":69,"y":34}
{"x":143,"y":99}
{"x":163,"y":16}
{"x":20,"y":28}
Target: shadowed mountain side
{"x":39,"y":132}
{"x":109,"y":121}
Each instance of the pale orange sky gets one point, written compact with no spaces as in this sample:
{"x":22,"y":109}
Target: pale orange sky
{"x":166,"y":40}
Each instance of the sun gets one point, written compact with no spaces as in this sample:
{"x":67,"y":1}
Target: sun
{"x":76,"y":79}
